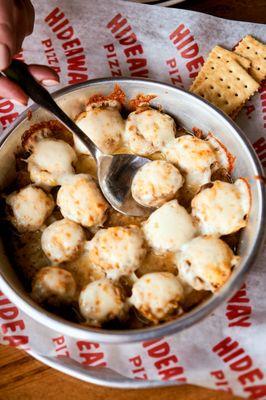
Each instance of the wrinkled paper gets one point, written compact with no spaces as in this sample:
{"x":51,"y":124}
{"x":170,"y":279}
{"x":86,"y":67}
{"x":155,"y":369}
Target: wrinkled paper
{"x":90,"y":39}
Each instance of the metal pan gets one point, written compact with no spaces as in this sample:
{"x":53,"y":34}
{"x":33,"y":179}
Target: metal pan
{"x":98,"y":376}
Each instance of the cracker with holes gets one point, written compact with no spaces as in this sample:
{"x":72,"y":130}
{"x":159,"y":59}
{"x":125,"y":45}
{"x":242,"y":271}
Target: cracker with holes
{"x":222,"y":54}
{"x":224,"y":82}
{"x":255,"y":51}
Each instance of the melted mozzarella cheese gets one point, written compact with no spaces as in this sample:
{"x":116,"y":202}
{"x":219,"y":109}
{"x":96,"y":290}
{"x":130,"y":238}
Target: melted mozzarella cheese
{"x":148,"y":131}
{"x":101,"y":301}
{"x":156,"y":295}
{"x":62,"y":240}
{"x":50,"y":160}
{"x":194,"y":157}
{"x":169,"y":227}
{"x":155,"y":183}
{"x":53,"y":285}
{"x":30,"y":208}
{"x":205,"y":263}
{"x":105,"y":126}
{"x":81,"y":201}
{"x":222,"y":209}
{"x":117,"y":250}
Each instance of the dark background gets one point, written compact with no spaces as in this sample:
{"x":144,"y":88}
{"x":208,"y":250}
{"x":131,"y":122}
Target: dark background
{"x":241,"y":10}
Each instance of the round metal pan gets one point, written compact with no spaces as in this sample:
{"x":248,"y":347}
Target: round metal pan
{"x":190,"y":111}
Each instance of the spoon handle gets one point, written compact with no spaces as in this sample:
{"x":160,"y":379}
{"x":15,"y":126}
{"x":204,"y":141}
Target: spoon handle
{"x":19,"y":73}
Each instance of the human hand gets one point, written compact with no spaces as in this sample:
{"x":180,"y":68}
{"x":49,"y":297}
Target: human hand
{"x":16,"y":22}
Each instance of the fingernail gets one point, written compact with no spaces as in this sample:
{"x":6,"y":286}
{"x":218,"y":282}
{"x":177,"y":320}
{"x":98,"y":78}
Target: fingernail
{"x":49,"y":82}
{"x":4,"y":56}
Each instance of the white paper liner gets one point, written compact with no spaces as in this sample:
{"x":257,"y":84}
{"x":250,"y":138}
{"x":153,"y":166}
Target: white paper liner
{"x":88,"y":31}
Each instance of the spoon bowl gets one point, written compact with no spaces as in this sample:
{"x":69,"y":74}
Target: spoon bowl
{"x":115,"y":175}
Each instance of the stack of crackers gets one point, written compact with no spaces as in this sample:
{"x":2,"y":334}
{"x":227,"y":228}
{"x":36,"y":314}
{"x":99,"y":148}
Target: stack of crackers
{"x":229,"y":78}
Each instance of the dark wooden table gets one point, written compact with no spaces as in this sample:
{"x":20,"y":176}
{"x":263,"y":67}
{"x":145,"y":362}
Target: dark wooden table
{"x":22,"y":377}
{"x":241,"y":10}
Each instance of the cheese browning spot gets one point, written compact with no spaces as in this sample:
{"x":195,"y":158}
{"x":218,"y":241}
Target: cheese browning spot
{"x":54,"y":286}
{"x":157,"y":295}
{"x":148,"y":131}
{"x":30,"y":206}
{"x":205,"y":263}
{"x":101,"y":301}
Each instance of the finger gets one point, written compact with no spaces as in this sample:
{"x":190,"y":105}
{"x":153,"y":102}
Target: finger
{"x":23,"y":23}
{"x":16,"y":21}
{"x":10,"y":90}
{"x":5,"y":56}
{"x":30,"y":16}
{"x":47,"y":76}
{"x":7,"y":33}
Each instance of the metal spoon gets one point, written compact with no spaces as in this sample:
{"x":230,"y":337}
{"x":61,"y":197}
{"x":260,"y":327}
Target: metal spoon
{"x":115,"y":172}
